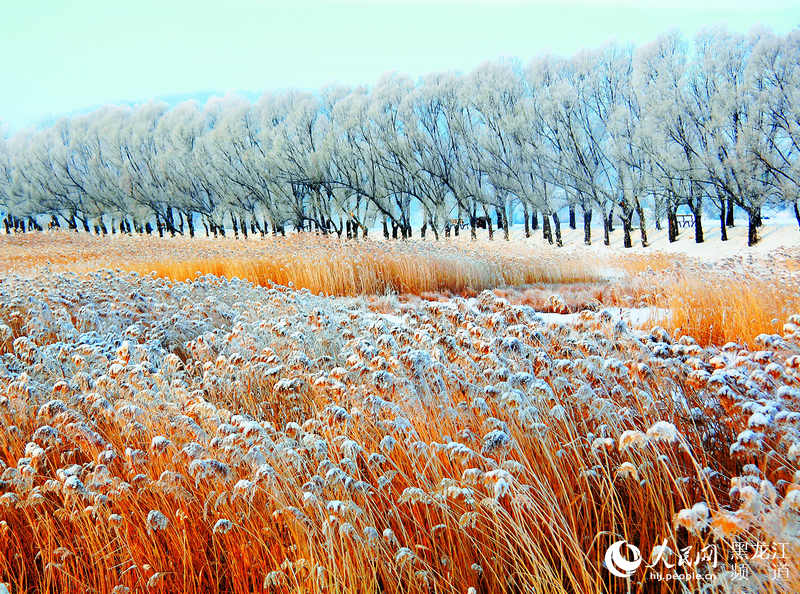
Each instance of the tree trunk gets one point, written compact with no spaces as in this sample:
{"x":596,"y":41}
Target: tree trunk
{"x":385,"y":228}
{"x":723,"y":228}
{"x":572,"y":224}
{"x":534,"y":221}
{"x":606,"y":229}
{"x":729,"y":218}
{"x":752,"y":226}
{"x":642,"y":222}
{"x":587,"y":226}
{"x":672,"y":224}
{"x":170,"y":221}
{"x":698,"y":221}
{"x":525,"y":219}
{"x":502,"y":220}
{"x":627,"y":219}
{"x":557,"y":225}
{"x":797,"y":213}
{"x":547,"y":232}
{"x":159,"y":225}
{"x":190,"y":223}
{"x":243,"y":226}
{"x":611,"y":220}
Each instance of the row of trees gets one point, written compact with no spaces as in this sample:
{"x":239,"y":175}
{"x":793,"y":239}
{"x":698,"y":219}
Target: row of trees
{"x":616,"y":132}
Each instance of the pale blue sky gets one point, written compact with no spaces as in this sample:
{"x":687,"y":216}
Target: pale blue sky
{"x":62,"y":56}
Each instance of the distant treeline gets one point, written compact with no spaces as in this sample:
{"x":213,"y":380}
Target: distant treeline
{"x":619,"y":132}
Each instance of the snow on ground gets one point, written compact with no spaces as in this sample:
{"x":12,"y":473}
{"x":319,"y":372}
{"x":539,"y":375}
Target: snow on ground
{"x":773,"y":235}
{"x":634,"y":316}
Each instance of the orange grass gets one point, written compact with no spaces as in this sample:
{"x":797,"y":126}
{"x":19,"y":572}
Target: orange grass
{"x":716,"y":311}
{"x":365,"y":441}
{"x":318,"y":263}
{"x":355,"y":482}
{"x":734,"y":300}
{"x":714,"y":304}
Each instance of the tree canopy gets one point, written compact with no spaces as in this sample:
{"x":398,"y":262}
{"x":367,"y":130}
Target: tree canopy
{"x":712,"y":124}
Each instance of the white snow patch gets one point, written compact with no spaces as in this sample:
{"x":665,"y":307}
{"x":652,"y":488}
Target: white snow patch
{"x":635,"y":316}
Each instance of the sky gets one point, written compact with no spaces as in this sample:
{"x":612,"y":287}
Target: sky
{"x":69,"y":56}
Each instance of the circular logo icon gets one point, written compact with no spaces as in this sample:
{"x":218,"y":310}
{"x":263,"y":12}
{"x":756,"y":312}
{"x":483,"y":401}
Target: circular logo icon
{"x":618,"y":564}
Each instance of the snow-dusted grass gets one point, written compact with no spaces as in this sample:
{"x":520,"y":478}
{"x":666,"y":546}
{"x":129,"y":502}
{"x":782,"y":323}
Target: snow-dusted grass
{"x":220,"y":436}
{"x":733,"y":299}
{"x":318,"y":263}
{"x":715,"y":300}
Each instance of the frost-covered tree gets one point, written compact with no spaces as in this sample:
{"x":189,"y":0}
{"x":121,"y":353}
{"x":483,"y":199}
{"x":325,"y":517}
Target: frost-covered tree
{"x":178,"y":135}
{"x":727,"y":120}
{"x":5,"y":178}
{"x":141,"y":155}
{"x":495,"y":97}
{"x":659,"y":77}
{"x":773,"y":87}
{"x":715,"y":123}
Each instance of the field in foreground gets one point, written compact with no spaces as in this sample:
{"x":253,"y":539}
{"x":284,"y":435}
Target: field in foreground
{"x":219,"y":435}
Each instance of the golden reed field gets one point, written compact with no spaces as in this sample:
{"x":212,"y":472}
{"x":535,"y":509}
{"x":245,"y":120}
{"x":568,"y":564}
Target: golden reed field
{"x":310,"y":415}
